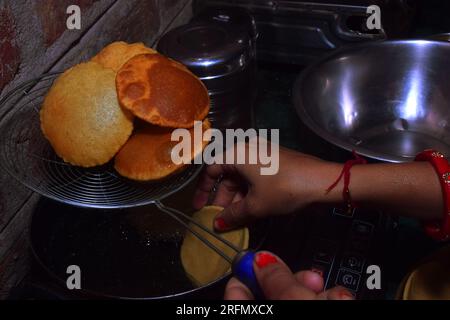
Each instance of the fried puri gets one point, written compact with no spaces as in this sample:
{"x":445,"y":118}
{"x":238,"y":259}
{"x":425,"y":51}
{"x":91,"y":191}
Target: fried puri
{"x":161,"y":91}
{"x":202,"y":264}
{"x":114,"y":55}
{"x":81,"y":116}
{"x":147,"y":155}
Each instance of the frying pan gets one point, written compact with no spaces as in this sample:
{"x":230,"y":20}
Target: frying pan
{"x":132,"y":254}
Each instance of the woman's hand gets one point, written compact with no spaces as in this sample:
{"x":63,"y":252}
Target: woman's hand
{"x":278,"y":283}
{"x":412,"y":189}
{"x":246,"y":194}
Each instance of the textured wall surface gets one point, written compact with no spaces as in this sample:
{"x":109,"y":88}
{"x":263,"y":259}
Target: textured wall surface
{"x":35,"y":35}
{"x":34,"y":39}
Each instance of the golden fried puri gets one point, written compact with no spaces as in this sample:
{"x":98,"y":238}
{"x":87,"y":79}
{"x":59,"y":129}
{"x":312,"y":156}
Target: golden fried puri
{"x":114,"y":55}
{"x":81,"y":116}
{"x":161,"y":91}
{"x":147,"y":154}
{"x":202,"y":264}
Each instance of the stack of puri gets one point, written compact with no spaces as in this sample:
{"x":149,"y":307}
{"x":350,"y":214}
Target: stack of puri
{"x":123,"y":104}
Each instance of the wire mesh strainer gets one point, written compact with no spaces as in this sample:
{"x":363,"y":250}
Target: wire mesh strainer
{"x":27,"y":156}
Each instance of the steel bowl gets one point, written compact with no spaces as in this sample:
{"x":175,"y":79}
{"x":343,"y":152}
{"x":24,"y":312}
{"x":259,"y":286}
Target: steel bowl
{"x":385,"y":100}
{"x":440,"y":37}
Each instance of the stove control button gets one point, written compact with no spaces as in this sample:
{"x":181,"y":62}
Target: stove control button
{"x":353,"y":262}
{"x":348,"y":279}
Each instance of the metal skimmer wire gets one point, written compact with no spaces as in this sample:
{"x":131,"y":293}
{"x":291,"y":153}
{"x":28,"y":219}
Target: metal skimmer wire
{"x":176,"y":214}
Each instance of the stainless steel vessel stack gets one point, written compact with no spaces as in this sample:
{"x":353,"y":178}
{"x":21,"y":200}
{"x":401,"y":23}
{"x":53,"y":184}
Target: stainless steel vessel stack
{"x":219,"y":47}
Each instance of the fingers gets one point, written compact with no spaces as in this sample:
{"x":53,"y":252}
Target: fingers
{"x":226,"y":191}
{"x":278,"y":283}
{"x":229,"y":195}
{"x":310,"y":280}
{"x":238,"y":197}
{"x":336,"y":293}
{"x":276,"y":279}
{"x":227,"y":188}
{"x":233,"y":216}
{"x":236,"y":290}
{"x":205,"y":185}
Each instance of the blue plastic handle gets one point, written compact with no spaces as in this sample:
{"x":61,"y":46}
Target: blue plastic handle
{"x":242,"y":269}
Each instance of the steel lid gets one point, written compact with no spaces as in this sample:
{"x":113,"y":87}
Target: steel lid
{"x":210,"y":50}
{"x":238,"y":17}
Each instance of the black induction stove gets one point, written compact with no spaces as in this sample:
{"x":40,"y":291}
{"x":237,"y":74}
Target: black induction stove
{"x":325,"y":239}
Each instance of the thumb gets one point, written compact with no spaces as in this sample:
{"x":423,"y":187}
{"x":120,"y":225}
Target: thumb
{"x":233,"y":216}
{"x":276,"y":279}
{"x":236,"y":290}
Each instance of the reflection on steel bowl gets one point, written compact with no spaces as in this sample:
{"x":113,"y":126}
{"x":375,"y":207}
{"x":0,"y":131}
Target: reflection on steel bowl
{"x":386,"y":100}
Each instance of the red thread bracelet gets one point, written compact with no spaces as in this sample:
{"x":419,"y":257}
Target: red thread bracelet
{"x":439,"y":230}
{"x":346,"y":174}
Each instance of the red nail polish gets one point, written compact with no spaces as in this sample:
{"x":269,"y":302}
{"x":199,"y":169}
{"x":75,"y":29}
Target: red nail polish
{"x":263,"y":259}
{"x":220,"y":224}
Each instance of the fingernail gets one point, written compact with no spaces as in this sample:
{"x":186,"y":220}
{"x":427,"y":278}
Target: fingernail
{"x":317,"y":271}
{"x":263,"y":259}
{"x":345,"y":295}
{"x":220,"y":224}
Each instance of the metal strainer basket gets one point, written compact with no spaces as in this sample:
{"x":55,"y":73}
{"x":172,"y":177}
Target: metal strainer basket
{"x":27,"y":156}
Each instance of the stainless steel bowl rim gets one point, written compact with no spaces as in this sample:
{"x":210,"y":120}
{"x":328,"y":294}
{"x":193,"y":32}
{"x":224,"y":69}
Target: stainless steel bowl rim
{"x":325,"y":134}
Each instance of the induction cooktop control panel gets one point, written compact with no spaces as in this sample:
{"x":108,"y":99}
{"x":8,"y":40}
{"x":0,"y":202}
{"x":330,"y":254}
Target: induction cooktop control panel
{"x":348,"y":249}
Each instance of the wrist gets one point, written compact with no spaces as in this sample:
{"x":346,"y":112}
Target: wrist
{"x":324,"y":176}
{"x":410,"y":188}
{"x":358,"y":187}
